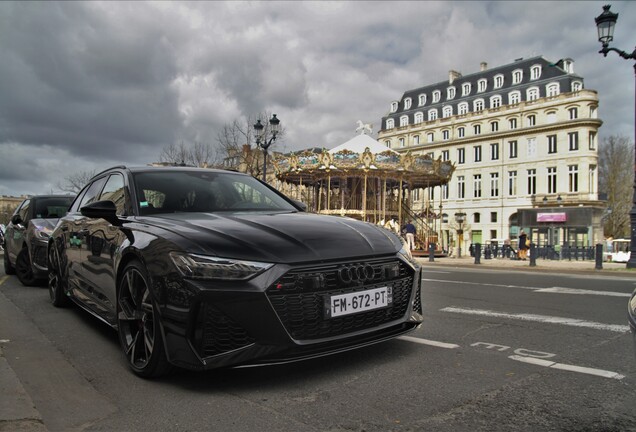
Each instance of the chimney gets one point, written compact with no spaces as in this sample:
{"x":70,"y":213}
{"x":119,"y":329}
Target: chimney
{"x":453,"y":75}
{"x":483,"y":66}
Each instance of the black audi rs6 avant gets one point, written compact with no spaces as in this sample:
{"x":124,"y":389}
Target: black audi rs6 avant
{"x":201,"y":268}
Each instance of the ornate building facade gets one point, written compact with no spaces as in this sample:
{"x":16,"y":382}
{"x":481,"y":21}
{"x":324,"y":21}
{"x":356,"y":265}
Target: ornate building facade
{"x":523,"y":139}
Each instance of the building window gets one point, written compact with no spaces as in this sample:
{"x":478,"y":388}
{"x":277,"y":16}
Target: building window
{"x":592,"y":141}
{"x":401,"y":142}
{"x":494,"y":185}
{"x":512,"y":183}
{"x":465,"y":89}
{"x":532,"y":147}
{"x":551,"y":117}
{"x":512,"y":149}
{"x":494,"y":151}
{"x":493,"y":219}
{"x":407,"y":103}
{"x":431,"y":155}
{"x":450,"y":93}
{"x":445,"y":191}
{"x":495,"y":101}
{"x":462,"y":108}
{"x":394,"y":106}
{"x":552,"y":89}
{"x":447,"y":111}
{"x":430,"y":137}
{"x":552,"y":180}
{"x":494,"y":126}
{"x":460,"y":132}
{"x":573,"y":174}
{"x":404,"y":121}
{"x":512,"y":123}
{"x":432,"y":114}
{"x":573,"y":140}
{"x":477,"y":153}
{"x":481,"y":85}
{"x":514,"y":97}
{"x":421,"y":100}
{"x":535,"y":72}
{"x":552,"y":144}
{"x":532,"y":181}
{"x":419,"y":117}
{"x":477,"y":129}
{"x":387,"y":143}
{"x":592,"y":179}
{"x":436,"y":96}
{"x":478,"y":105}
{"x":574,"y":113}
{"x":531,"y":120}
{"x":477,"y":186}
{"x":390,"y":123}
{"x":416,"y":140}
{"x":499,"y":80}
{"x":445,"y":155}
{"x":532,"y":94}
{"x":461,"y":187}
{"x":445,"y":134}
{"x":576,"y":86}
{"x":517,"y":76}
{"x":461,"y":155}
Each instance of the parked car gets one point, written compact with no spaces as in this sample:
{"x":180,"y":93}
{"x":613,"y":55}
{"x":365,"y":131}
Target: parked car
{"x":27,"y":234}
{"x":631,"y":308}
{"x":204,"y":268}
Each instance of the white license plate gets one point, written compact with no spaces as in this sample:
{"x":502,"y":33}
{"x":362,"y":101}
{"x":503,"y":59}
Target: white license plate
{"x":360,"y":301}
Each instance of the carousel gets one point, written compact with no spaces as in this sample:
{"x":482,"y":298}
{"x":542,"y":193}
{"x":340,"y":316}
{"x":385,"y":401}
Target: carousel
{"x":364,"y":180}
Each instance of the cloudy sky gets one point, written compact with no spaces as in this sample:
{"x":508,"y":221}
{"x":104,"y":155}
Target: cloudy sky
{"x":88,"y":85}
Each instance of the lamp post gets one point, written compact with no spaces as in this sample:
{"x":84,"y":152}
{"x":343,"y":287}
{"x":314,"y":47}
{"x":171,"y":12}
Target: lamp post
{"x":263,"y":142}
{"x":460,"y":218}
{"x":605,"y":23}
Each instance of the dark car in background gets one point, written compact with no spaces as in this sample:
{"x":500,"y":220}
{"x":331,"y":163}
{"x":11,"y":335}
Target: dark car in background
{"x":203,"y":268}
{"x":27,"y":234}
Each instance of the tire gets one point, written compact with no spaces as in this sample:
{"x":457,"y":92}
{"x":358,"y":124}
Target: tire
{"x":23,"y":268}
{"x":55,"y":280}
{"x":8,"y":268}
{"x":138,"y":324}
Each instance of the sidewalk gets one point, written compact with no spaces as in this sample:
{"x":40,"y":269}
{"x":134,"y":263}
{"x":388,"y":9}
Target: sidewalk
{"x":542,"y":265}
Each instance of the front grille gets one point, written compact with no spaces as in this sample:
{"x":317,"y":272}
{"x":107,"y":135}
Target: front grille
{"x":299,"y":298}
{"x":39,"y":256}
{"x":217,"y":333}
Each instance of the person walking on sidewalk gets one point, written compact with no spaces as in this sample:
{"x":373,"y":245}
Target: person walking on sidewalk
{"x":523,"y":246}
{"x":409,"y":228}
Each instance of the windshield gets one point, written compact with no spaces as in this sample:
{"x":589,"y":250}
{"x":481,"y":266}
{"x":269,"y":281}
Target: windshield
{"x":52,"y":207}
{"x":201,"y":191}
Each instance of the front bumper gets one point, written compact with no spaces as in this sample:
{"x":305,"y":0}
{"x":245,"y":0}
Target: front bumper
{"x":38,"y":253}
{"x":279,"y":316}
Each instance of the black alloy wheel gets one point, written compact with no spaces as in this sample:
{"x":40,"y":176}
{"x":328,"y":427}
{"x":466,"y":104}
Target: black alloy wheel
{"x":138,"y":324}
{"x":55,"y":283}
{"x":23,"y":268}
{"x":8,"y":268}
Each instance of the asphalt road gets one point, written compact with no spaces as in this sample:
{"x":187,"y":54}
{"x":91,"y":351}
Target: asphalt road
{"x":498,"y":351}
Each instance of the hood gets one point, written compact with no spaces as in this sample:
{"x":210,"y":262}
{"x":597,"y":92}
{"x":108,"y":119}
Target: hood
{"x":276,"y":237}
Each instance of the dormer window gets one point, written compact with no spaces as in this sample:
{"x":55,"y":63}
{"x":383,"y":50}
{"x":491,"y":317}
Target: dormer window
{"x":495,"y":101}
{"x":390,"y":123}
{"x":481,"y":85}
{"x":450,"y":93}
{"x":478,"y":105}
{"x":447,"y":111}
{"x":432,"y":114}
{"x":394,"y":107}
{"x":532,"y":94}
{"x":514,"y":97}
{"x":535,"y":72}
{"x":421,"y":100}
{"x":552,"y":89}
{"x":404,"y":121}
{"x":517,"y":76}
{"x":462,"y":108}
{"x":407,"y":103}
{"x":577,"y":86}
{"x":499,"y":80}
{"x":436,"y":96}
{"x":419,"y":117}
{"x":465,"y":89}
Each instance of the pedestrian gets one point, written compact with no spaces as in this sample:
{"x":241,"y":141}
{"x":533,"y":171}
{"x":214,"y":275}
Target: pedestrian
{"x":523,"y":245}
{"x":409,"y":228}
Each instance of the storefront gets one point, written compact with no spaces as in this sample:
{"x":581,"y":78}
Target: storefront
{"x":551,"y":226}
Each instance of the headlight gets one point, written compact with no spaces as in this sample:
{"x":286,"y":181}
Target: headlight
{"x":205,"y":267}
{"x":406,"y":254}
{"x":43,"y":233}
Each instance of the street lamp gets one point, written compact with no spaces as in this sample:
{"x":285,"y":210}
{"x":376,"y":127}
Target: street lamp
{"x":605,"y":23}
{"x":460,"y":218}
{"x":263,"y":142}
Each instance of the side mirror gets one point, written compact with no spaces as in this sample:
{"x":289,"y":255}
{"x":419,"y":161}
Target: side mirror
{"x":16,"y":219}
{"x":101,"y":210}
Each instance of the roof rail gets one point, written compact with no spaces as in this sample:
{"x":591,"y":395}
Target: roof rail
{"x":108,"y":169}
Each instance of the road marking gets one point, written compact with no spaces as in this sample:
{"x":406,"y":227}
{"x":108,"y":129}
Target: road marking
{"x":2,"y":279}
{"x":566,"y":367}
{"x":429,"y":342}
{"x":552,"y":290}
{"x":540,"y":318}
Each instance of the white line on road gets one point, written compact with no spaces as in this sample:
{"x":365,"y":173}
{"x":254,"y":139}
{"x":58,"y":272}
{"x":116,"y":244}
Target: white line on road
{"x":571,"y":368}
{"x":540,"y":318}
{"x":428,"y":342}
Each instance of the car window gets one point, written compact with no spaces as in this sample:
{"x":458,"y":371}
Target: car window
{"x":23,"y":211}
{"x":114,"y":191}
{"x":92,"y":192}
{"x":51,"y":207}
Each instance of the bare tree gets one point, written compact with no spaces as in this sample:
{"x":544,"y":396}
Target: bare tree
{"x":74,"y":182}
{"x":616,"y":179}
{"x":197,"y":154}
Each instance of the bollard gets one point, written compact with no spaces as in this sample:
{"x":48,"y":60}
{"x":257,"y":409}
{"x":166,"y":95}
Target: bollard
{"x":431,"y":252}
{"x":599,"y":257}
{"x":477,"y":253}
{"x":533,"y":255}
